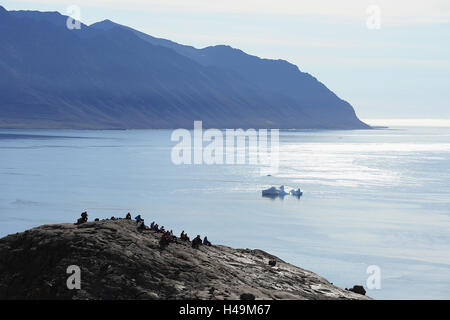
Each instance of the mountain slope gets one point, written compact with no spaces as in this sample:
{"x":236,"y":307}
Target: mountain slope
{"x":118,"y":262}
{"x":272,"y":75}
{"x":108,"y":76}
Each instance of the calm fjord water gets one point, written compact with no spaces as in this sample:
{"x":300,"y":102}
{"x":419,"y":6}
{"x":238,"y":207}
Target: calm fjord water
{"x":376,"y":197}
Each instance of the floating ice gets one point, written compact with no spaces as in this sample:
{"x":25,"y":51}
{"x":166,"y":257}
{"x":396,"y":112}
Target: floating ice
{"x":280,"y":192}
{"x":296,"y":192}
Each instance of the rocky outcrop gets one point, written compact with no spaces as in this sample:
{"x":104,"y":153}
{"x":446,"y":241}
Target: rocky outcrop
{"x":358,"y":289}
{"x":117,"y":261}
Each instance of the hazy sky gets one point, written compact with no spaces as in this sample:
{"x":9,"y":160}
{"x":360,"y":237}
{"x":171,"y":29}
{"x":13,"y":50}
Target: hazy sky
{"x":400,"y":70}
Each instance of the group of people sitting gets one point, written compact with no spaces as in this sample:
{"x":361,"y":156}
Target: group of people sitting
{"x":196,"y":242}
{"x":184,"y":236}
{"x":167,"y":237}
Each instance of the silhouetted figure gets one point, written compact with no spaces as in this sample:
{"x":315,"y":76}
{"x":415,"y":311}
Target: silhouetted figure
{"x":97,"y":219}
{"x":113,"y":218}
{"x":164,"y":241}
{"x":128,"y":216}
{"x":172,"y":236}
{"x":83,"y":219}
{"x":206,"y":242}
{"x":196,"y":242}
{"x":169,"y":237}
{"x":138,"y":218}
{"x":141,"y":225}
{"x":152,"y":226}
{"x":184,"y":236}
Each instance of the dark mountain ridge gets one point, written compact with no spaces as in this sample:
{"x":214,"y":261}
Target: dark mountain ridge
{"x":110,"y":76}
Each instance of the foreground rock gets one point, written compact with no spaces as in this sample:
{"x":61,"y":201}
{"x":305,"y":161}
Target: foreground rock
{"x":118,"y":262}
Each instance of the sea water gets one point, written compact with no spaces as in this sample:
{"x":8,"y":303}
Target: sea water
{"x":371,"y":197}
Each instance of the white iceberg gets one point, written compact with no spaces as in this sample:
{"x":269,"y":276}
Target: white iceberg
{"x":296,"y":192}
{"x":273,"y":191}
{"x":280,"y":192}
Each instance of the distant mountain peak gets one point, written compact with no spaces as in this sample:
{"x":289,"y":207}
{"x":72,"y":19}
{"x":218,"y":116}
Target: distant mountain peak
{"x":104,"y":22}
{"x":105,"y":25}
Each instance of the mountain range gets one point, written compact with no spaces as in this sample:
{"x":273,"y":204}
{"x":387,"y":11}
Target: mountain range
{"x":110,"y":76}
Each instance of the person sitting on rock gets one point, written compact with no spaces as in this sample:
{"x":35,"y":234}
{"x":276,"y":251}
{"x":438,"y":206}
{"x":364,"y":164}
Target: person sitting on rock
{"x":173,"y":237}
{"x":83,"y":219}
{"x":196,"y":242}
{"x":162,"y":229}
{"x":128,"y":216}
{"x":169,"y":237}
{"x":184,"y":236}
{"x":206,"y":242}
{"x":138,"y":218}
{"x":163,"y":241}
{"x":141,"y":225}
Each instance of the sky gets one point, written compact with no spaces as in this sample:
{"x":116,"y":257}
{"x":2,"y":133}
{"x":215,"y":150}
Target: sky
{"x":388,"y":58}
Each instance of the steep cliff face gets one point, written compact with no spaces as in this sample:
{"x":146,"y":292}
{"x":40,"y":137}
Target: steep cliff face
{"x":109,"y":76}
{"x":117,"y":261}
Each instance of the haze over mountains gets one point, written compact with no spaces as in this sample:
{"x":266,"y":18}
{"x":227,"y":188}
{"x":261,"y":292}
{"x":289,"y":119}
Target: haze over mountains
{"x":111,"y":76}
